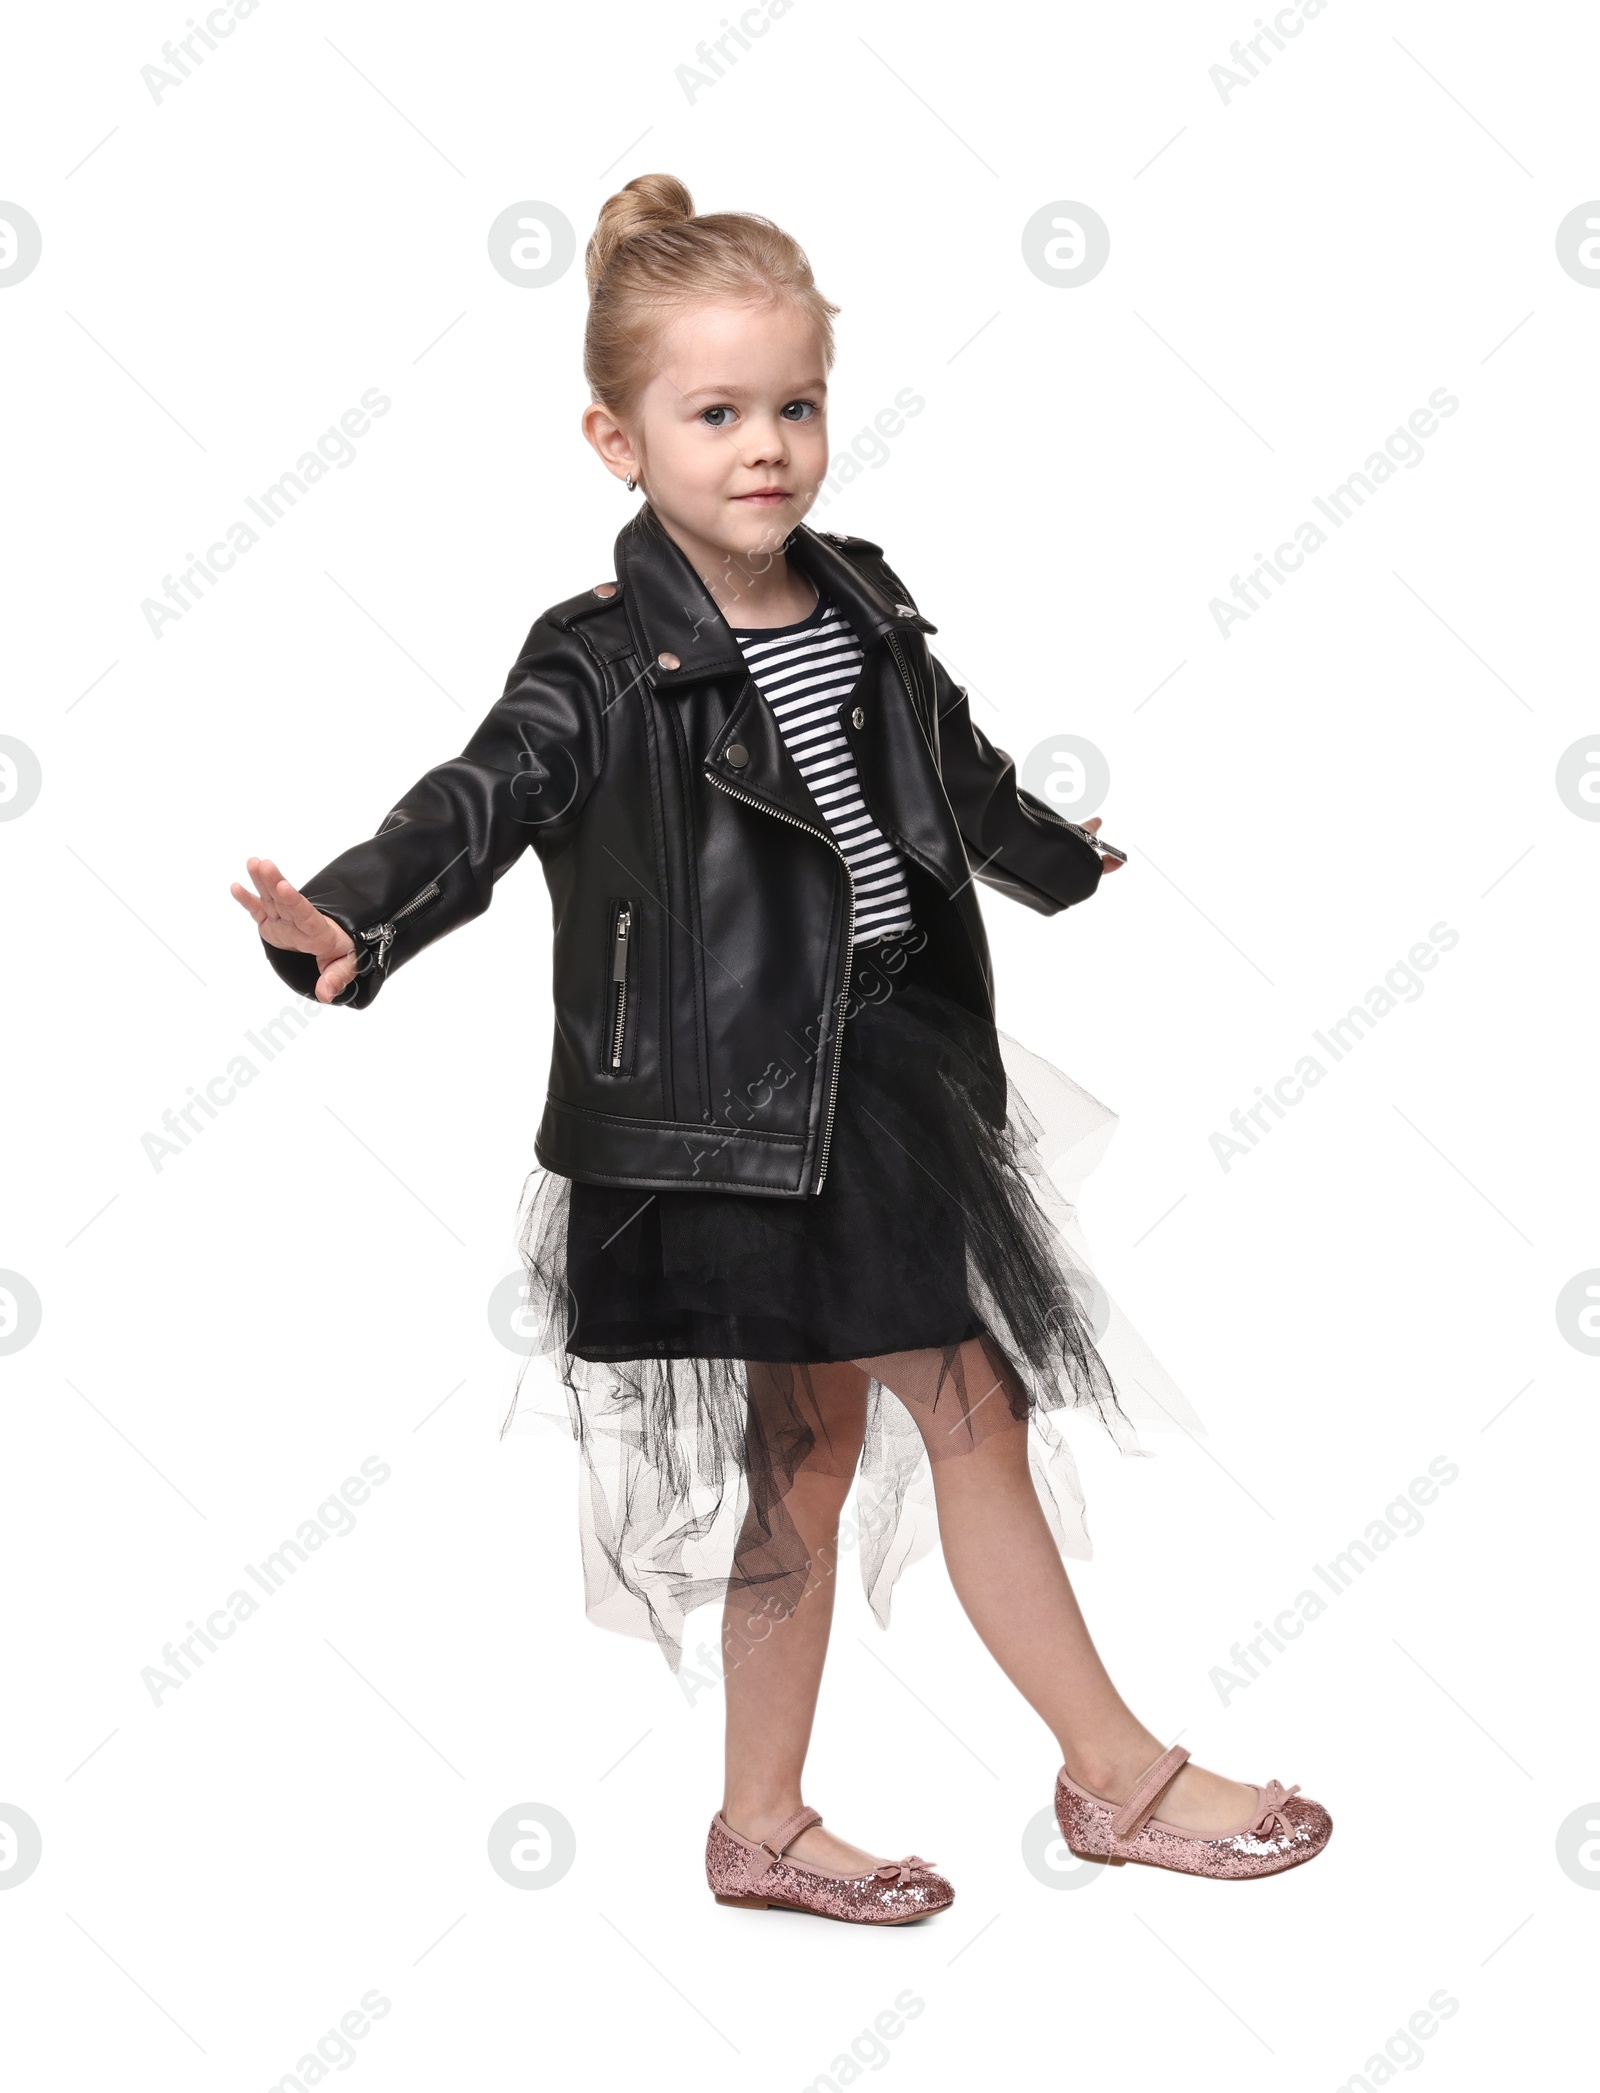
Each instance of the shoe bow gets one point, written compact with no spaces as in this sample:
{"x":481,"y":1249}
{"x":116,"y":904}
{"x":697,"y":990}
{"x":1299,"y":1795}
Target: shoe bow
{"x":1273,"y":1814}
{"x":899,"y":1871}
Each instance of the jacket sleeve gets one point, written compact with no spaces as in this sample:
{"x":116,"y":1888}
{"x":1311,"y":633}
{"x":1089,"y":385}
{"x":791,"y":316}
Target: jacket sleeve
{"x":522,"y":778}
{"x":1015,"y":843}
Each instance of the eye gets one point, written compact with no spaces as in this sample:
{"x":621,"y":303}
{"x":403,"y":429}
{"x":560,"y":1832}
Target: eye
{"x":808,"y":410}
{"x":707,"y":412}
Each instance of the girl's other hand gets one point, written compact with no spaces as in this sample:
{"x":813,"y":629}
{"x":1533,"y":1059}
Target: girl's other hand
{"x":286,"y":919}
{"x":1106,"y":864}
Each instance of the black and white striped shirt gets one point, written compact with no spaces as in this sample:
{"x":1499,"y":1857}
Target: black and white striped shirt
{"x":806,"y":672}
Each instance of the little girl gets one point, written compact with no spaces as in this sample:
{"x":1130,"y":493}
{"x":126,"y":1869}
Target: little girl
{"x":792,"y":1226}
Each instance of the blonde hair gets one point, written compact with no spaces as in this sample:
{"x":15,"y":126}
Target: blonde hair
{"x":650,"y":258}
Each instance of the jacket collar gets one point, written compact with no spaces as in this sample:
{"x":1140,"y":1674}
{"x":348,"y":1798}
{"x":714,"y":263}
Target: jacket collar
{"x":671,"y":612}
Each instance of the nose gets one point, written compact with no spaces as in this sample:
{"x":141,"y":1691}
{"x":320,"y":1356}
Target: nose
{"x":768,"y":443}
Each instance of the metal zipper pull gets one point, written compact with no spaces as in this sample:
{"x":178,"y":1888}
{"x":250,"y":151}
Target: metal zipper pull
{"x":383,"y":934}
{"x":619,"y":974}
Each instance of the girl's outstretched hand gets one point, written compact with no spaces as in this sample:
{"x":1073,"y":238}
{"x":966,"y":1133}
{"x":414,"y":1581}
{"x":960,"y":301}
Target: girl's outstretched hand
{"x":286,"y":919}
{"x":1106,"y":864}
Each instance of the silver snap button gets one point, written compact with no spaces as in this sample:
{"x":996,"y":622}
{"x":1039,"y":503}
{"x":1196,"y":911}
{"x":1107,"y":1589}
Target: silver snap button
{"x":605,"y":588}
{"x":858,"y":718}
{"x":668,"y":661}
{"x":737,"y":754}
{"x":904,"y":610}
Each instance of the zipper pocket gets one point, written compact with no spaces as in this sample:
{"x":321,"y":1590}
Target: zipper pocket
{"x":381,"y":936}
{"x":620,"y":945}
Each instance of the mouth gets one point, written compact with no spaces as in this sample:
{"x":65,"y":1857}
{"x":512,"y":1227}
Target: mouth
{"x":764,"y":497}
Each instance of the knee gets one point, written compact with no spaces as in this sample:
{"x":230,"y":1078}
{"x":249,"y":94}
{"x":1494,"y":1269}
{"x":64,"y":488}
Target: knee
{"x":830,"y":1468}
{"x":961,"y":1399}
{"x":815,"y":1414}
{"x":838,"y":1428}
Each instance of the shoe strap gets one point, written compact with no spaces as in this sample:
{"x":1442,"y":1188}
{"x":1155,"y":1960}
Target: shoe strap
{"x":770,"y":1849}
{"x":1129,"y":1817}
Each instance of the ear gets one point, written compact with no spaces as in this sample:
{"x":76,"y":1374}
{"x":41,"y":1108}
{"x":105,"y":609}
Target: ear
{"x":610,"y":440}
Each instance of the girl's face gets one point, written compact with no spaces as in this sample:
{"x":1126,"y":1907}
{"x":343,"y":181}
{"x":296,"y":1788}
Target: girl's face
{"x":729,"y":439}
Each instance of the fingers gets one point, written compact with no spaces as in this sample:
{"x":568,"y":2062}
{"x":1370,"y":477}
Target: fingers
{"x":266,"y":876}
{"x":286,"y":918}
{"x":1093,"y":823}
{"x":336,"y":975}
{"x":284,"y":896}
{"x":320,"y":932}
{"x":249,"y":901}
{"x":289,"y":921}
{"x":264,"y":909}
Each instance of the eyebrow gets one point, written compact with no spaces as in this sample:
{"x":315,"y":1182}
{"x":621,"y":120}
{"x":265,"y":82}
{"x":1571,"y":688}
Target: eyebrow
{"x":742,"y":392}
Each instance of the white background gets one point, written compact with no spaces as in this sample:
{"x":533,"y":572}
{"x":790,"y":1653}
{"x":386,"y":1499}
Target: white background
{"x":225,"y":1339}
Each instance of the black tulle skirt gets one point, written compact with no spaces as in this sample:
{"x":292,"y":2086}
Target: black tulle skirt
{"x":690,"y":1331}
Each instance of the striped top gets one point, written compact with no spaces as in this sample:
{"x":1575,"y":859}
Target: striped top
{"x":806,"y":672}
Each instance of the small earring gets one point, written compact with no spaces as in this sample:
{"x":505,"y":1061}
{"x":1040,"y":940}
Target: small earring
{"x":628,"y":483}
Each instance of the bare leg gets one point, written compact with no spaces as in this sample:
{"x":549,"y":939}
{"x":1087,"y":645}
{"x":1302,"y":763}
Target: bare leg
{"x":1008,"y":1574}
{"x":773,"y":1658}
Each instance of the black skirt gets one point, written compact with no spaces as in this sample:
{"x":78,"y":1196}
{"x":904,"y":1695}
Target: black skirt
{"x":874,"y":1262}
{"x":682,"y":1323}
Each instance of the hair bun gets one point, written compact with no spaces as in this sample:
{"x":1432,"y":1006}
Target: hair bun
{"x":648,"y":201}
{"x":653,"y":258}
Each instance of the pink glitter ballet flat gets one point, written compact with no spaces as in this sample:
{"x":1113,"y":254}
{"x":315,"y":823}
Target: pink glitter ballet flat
{"x":1285,"y":1829}
{"x":756,"y":1873}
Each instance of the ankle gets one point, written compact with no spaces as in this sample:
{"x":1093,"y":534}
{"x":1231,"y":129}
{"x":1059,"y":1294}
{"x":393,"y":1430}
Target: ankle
{"x":754,"y":1815}
{"x":1109,"y":1766}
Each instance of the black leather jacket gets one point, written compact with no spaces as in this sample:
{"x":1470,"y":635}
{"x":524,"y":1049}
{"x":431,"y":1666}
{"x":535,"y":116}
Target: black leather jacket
{"x":703,"y":957}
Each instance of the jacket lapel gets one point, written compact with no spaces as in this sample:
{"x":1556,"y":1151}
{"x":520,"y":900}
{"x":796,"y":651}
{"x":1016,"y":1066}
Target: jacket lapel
{"x":683,"y":640}
{"x":673,"y":615}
